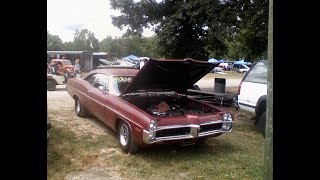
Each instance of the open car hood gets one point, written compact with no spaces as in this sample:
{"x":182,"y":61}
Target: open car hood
{"x":169,"y":75}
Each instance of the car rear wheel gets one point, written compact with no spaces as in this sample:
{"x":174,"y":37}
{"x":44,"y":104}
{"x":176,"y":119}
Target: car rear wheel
{"x":261,"y":123}
{"x":80,"y":109}
{"x":51,"y":85}
{"x":126,"y":140}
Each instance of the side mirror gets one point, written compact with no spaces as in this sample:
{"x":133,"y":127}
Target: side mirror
{"x":103,"y":89}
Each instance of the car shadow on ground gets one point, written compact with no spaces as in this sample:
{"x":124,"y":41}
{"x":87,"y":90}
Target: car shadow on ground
{"x":103,"y":126}
{"x":212,"y":146}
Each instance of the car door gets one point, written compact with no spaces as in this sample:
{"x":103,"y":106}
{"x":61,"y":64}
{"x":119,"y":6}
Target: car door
{"x":100,"y":98}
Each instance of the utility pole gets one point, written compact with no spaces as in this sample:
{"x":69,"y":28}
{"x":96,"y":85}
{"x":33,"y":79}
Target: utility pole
{"x":268,"y":158}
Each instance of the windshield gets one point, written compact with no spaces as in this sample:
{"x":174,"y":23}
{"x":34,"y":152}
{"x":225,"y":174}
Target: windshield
{"x":246,"y":67}
{"x":259,"y":73}
{"x":120,"y":83}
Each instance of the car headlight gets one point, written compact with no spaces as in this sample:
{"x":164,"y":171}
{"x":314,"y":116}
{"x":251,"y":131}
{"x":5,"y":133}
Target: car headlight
{"x":226,"y":126}
{"x":152,"y":129}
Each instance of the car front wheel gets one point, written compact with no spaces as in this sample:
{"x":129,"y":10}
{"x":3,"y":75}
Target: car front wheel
{"x":80,"y":109}
{"x":126,"y":140}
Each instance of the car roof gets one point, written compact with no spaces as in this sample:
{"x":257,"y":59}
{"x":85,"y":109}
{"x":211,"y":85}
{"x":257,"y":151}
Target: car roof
{"x":113,"y":72}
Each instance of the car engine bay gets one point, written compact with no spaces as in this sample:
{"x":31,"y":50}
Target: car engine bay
{"x":162,"y":106}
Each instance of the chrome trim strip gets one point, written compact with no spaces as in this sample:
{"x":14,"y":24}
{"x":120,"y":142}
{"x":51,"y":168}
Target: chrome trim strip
{"x":191,"y":125}
{"x":213,"y":122}
{"x":248,"y":105}
{"x":207,"y":133}
{"x":174,"y":127}
{"x":122,"y":116}
{"x":194,"y":132}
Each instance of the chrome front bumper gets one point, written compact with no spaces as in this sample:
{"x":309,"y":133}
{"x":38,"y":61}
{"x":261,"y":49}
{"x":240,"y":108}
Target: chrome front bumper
{"x":194,"y":131}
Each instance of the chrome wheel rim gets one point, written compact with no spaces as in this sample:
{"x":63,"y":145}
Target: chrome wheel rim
{"x":124,"y":134}
{"x":78,"y":108}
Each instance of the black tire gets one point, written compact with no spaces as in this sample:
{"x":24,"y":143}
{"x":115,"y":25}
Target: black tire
{"x":80,"y":110}
{"x":51,"y":85}
{"x":261,"y":106}
{"x":261,"y":123}
{"x":125,"y":138}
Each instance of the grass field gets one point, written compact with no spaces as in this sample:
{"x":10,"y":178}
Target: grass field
{"x":227,"y":75}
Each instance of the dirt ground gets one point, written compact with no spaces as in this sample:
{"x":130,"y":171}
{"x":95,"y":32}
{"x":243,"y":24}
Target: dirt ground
{"x":61,"y":112}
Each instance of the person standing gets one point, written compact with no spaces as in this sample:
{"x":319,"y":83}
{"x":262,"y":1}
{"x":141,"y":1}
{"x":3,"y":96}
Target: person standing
{"x":54,"y":68}
{"x":77,"y":68}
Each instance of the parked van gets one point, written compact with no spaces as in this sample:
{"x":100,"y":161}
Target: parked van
{"x":252,"y":93}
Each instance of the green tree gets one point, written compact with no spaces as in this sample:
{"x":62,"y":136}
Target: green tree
{"x":253,"y":34}
{"x":125,"y":46}
{"x":105,"y":44}
{"x":68,"y":46}
{"x":85,"y":40}
{"x":54,"y":43}
{"x":198,"y":28}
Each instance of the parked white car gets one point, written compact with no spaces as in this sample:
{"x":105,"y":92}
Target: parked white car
{"x":243,"y":69}
{"x":217,"y":69}
{"x":252,"y":94}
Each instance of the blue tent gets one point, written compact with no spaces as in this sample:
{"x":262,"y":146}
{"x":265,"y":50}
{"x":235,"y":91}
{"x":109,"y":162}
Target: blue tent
{"x":243,"y":62}
{"x":132,"y":59}
{"x":240,"y":62}
{"x":213,"y":60}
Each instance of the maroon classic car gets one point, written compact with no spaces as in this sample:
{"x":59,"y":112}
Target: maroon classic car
{"x":150,"y":105}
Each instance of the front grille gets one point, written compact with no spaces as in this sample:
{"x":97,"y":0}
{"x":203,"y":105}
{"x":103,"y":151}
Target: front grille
{"x":210,"y":127}
{"x":173,"y":132}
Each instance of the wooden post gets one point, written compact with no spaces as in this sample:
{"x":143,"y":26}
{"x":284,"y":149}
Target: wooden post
{"x":268,"y":159}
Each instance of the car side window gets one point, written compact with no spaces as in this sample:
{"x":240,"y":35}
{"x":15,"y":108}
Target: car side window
{"x":258,"y":74}
{"x":101,"y":80}
{"x":91,"y":79}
